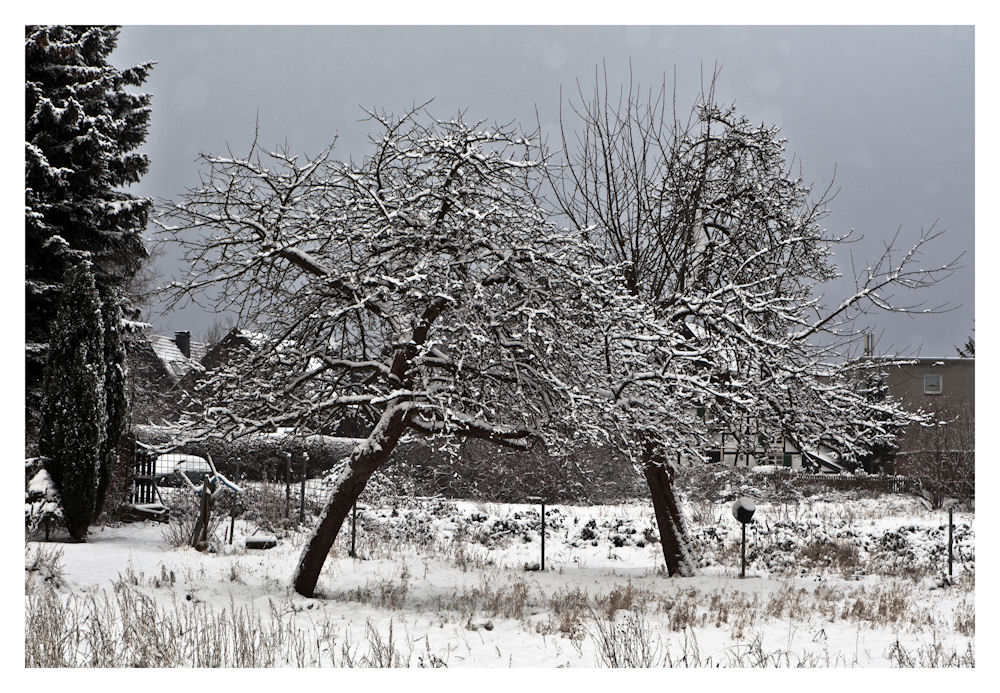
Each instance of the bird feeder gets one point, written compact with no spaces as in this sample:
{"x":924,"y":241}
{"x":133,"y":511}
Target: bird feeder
{"x":743,"y":512}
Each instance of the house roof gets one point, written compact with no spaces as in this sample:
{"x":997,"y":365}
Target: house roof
{"x":257,"y":339}
{"x":198,"y":351}
{"x":924,"y":360}
{"x":825,"y":458}
{"x":177,"y":364}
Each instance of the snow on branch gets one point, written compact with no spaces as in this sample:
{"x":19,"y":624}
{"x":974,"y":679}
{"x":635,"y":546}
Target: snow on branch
{"x":425,"y":281}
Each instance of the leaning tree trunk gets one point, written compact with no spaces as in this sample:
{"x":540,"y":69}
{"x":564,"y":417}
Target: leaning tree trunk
{"x":673,"y":532}
{"x":199,"y":537}
{"x":351,"y":482}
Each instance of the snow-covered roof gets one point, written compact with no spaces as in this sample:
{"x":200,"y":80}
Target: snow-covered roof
{"x":177,"y":364}
{"x":198,"y":350}
{"x":825,"y":458}
{"x":257,"y":339}
{"x":924,"y":360}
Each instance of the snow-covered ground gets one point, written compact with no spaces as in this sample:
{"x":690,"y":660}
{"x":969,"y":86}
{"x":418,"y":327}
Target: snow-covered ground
{"x":438,"y":583}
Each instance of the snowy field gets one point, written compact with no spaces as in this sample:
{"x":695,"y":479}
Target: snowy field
{"x":855,"y":583}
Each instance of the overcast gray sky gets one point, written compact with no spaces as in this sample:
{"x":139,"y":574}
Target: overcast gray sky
{"x":890,"y":110}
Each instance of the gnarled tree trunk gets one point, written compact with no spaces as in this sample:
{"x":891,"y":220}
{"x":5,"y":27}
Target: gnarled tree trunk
{"x":200,"y":534}
{"x":373,"y":454}
{"x":673,"y":531}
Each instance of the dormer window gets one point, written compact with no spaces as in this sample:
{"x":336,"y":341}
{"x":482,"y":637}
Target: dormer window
{"x":933,"y":385}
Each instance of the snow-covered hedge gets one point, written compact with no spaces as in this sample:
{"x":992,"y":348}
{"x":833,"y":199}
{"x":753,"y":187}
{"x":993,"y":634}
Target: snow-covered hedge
{"x":259,"y":456}
{"x":479,"y":470}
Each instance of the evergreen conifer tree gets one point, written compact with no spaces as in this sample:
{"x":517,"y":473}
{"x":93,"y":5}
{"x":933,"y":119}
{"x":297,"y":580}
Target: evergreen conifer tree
{"x":74,"y":412}
{"x":115,"y":393}
{"x":968,"y":350}
{"x":81,"y":130}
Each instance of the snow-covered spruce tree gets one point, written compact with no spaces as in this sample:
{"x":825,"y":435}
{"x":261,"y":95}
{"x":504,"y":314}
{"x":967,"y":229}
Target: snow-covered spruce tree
{"x":74,"y":409}
{"x":714,"y":232}
{"x":422,"y":289}
{"x":82,"y":127}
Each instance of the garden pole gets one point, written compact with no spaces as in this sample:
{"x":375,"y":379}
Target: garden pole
{"x":951,"y":526}
{"x":543,"y":535}
{"x":288,"y":484}
{"x":354,"y":525}
{"x":743,"y":552}
{"x":743,"y":510}
{"x":302,"y":489}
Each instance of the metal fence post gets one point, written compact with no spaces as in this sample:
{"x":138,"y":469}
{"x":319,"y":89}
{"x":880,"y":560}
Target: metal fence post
{"x":743,"y":509}
{"x":743,"y":552}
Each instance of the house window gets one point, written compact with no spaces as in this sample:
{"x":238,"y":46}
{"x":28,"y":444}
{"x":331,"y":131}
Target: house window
{"x":932,"y":385}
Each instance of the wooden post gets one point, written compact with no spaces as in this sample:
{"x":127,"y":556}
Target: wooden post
{"x":951,"y":527}
{"x":200,"y":533}
{"x":354,"y":526}
{"x":543,"y":535}
{"x":539,"y":499}
{"x":288,"y":484}
{"x":302,"y":488}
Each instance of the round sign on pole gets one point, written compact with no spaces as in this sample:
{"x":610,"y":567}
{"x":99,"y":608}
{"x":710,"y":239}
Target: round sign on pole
{"x":743,"y":509}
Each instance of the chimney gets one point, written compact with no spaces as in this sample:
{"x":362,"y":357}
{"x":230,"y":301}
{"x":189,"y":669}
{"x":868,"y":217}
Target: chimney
{"x":183,"y":342}
{"x":869,"y":344}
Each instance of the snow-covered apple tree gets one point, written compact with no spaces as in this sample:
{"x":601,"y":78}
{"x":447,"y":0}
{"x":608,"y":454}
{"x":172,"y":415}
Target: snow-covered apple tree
{"x":715,"y":233}
{"x":422,"y":289}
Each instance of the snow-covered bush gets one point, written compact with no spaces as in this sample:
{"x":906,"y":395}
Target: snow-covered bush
{"x":42,"y":503}
{"x":44,"y":563}
{"x":184,"y":512}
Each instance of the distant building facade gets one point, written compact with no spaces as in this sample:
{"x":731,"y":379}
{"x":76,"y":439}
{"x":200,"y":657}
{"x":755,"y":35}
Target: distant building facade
{"x":945,"y":387}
